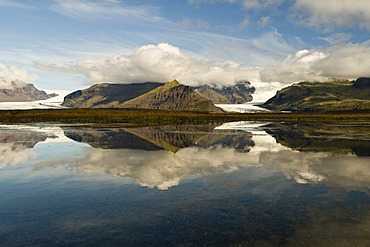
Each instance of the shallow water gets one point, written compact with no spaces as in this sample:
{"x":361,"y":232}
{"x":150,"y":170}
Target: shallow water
{"x":239,"y":184}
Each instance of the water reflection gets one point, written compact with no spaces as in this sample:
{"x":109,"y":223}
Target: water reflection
{"x":241,"y":184}
{"x":161,"y":157}
{"x":337,"y":138}
{"x":171,"y":138}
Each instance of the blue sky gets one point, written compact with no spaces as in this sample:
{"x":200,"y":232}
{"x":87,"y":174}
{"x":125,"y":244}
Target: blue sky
{"x":70,"y":44}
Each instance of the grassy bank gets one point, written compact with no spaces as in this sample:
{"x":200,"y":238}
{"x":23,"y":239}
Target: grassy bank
{"x":148,"y":117}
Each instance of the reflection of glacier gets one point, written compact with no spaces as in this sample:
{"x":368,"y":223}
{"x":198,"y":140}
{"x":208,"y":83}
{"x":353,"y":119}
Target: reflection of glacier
{"x":17,"y":142}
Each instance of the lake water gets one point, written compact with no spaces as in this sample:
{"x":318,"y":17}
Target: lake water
{"x":239,"y":184}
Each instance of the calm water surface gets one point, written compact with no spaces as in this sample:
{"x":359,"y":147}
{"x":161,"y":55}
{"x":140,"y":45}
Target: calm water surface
{"x":239,"y":184}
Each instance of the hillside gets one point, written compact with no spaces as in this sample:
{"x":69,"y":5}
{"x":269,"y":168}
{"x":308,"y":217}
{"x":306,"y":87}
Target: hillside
{"x":240,"y":93}
{"x":150,"y":95}
{"x":21,"y":92}
{"x":328,"y":96}
{"x":107,"y":95}
{"x":173,"y":96}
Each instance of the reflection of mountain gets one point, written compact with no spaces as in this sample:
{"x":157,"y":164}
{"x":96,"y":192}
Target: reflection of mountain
{"x":323,"y":137}
{"x":21,"y":138}
{"x":170,"y":138}
{"x":109,"y":138}
{"x":16,"y":145}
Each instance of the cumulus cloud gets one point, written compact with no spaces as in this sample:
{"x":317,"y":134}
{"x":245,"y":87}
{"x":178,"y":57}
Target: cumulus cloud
{"x":160,"y":63}
{"x":333,"y":13}
{"x":343,"y":62}
{"x":13,"y":76}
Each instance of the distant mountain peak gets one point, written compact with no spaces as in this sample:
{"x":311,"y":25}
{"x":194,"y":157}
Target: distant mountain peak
{"x":19,"y":91}
{"x":239,"y":93}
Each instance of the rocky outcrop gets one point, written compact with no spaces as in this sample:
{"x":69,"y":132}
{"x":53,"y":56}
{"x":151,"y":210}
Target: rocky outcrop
{"x":240,"y":93}
{"x":22,"y":92}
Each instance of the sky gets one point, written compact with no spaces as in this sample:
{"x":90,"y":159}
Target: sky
{"x":72,"y":44}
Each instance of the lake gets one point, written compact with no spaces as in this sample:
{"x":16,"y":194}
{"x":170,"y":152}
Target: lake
{"x":238,"y":184}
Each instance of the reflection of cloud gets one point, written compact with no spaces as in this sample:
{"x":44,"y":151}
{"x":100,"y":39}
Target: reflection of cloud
{"x":160,"y":169}
{"x":347,"y":171}
{"x":10,"y":154}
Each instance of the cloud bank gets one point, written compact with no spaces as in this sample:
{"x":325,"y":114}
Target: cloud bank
{"x":159,"y":63}
{"x":14,"y":77}
{"x":333,"y":13}
{"x":343,"y":62}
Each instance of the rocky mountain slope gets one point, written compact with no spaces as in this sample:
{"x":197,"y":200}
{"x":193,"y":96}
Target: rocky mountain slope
{"x":240,"y":93}
{"x":169,"y":96}
{"x":21,"y":92}
{"x":328,"y":96}
{"x":173,"y":96}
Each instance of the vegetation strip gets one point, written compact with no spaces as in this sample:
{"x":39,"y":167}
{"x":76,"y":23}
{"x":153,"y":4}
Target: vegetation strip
{"x":143,"y":116}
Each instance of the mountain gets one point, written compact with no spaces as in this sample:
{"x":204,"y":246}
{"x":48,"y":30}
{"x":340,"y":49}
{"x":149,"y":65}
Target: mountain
{"x":317,"y":96}
{"x":107,"y":95}
{"x":17,"y":91}
{"x":173,"y":96}
{"x":237,"y":94}
{"x":168,"y":96}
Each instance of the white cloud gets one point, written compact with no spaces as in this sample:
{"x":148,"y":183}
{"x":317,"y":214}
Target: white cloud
{"x":196,"y":2}
{"x":333,"y":13}
{"x":342,"y":61}
{"x":187,"y":23}
{"x":102,"y":9}
{"x":258,"y":4}
{"x":248,"y":4}
{"x":244,"y":23}
{"x":160,"y":63}
{"x":264,"y":21}
{"x":13,"y":76}
{"x":13,"y":4}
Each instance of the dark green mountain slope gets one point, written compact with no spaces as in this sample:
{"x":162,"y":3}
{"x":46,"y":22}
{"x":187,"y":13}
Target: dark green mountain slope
{"x":316,"y":96}
{"x":107,"y":95}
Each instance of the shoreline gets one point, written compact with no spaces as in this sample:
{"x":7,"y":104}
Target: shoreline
{"x":152,"y":117}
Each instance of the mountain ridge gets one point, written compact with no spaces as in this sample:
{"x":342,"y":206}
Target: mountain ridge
{"x":336,"y":95}
{"x":18,"y":91}
{"x":151,"y":95}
